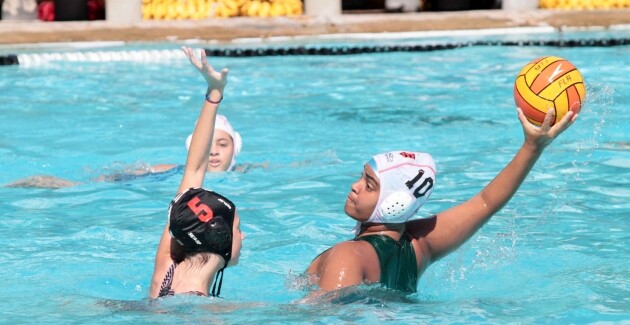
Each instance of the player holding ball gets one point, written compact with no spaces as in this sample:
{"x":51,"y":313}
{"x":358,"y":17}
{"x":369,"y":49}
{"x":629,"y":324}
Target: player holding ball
{"x":393,"y":250}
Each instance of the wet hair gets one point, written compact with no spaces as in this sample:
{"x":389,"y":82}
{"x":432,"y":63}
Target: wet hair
{"x":197,"y":259}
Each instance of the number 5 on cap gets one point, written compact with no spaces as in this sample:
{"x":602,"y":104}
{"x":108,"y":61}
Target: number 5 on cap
{"x":202,"y":211}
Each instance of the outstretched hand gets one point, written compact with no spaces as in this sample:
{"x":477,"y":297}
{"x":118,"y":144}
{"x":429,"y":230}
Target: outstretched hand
{"x":215,"y":79}
{"x":542,"y":136}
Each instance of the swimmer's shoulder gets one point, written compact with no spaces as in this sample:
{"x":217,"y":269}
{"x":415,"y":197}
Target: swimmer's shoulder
{"x":357,"y":261}
{"x":43,"y":181}
{"x":354,"y":252}
{"x":160,"y":168}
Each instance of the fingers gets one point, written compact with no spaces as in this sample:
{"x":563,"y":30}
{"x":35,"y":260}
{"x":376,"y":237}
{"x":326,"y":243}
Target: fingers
{"x":190,"y":54}
{"x":204,"y":61}
{"x":548,"y":117}
{"x":203,"y":55}
{"x":521,"y":116}
{"x":527,"y":126}
{"x":201,"y":63}
{"x":186,"y":51}
{"x":564,"y":123}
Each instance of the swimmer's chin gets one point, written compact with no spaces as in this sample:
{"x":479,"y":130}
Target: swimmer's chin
{"x":349,"y":206}
{"x":218,"y":169}
{"x":351,"y":212}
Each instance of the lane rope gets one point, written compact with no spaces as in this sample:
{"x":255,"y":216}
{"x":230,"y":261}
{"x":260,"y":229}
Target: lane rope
{"x":161,"y":55}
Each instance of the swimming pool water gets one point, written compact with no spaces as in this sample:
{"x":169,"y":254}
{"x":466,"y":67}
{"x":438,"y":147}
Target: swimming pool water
{"x":557,"y":253}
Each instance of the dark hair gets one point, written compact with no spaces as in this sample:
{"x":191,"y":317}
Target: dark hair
{"x":198,"y":259}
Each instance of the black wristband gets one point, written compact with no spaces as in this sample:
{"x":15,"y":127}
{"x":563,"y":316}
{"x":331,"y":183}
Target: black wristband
{"x":213,"y":102}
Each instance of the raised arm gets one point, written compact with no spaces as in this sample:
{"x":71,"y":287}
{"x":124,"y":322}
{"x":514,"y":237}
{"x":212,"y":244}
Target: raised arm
{"x":448,"y":230}
{"x":197,"y":160}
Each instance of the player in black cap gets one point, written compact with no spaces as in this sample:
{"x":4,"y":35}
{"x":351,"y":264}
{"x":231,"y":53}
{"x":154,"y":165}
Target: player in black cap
{"x":202,"y":236}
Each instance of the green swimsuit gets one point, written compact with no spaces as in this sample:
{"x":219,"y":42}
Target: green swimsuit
{"x":399,"y":269}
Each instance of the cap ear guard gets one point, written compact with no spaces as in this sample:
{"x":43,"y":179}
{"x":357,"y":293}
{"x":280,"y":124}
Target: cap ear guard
{"x":218,"y":235}
{"x":238,"y":143}
{"x":396,"y":205}
{"x":406,"y":181}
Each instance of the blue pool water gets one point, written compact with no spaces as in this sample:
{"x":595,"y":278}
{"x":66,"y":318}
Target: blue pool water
{"x":557,"y":253}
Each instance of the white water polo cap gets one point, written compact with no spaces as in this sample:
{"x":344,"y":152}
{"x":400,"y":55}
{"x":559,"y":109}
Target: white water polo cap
{"x":406,"y":182}
{"x":221,"y":123}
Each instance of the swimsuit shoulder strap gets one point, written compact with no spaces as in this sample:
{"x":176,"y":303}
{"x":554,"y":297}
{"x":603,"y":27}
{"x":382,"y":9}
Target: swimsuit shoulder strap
{"x":165,"y":289}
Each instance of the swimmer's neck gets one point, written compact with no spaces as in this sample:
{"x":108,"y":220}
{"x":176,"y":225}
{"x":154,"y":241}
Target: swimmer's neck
{"x":190,"y":276}
{"x":392,"y":230}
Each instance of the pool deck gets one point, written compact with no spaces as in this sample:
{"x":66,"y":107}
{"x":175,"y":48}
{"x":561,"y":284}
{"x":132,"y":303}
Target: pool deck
{"x":226,"y":30}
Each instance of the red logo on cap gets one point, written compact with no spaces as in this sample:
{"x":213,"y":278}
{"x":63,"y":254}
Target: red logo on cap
{"x":202,"y":211}
{"x":408,"y":155}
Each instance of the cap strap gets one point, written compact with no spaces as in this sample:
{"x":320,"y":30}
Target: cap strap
{"x":214,"y":286}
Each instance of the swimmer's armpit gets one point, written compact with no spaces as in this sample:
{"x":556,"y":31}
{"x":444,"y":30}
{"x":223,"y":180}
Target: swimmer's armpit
{"x":42,"y":181}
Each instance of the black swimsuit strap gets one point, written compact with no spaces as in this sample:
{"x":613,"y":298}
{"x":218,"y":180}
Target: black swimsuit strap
{"x":165,"y":289}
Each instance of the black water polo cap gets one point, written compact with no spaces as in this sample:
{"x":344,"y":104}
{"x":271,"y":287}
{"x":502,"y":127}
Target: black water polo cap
{"x":201,"y":221}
